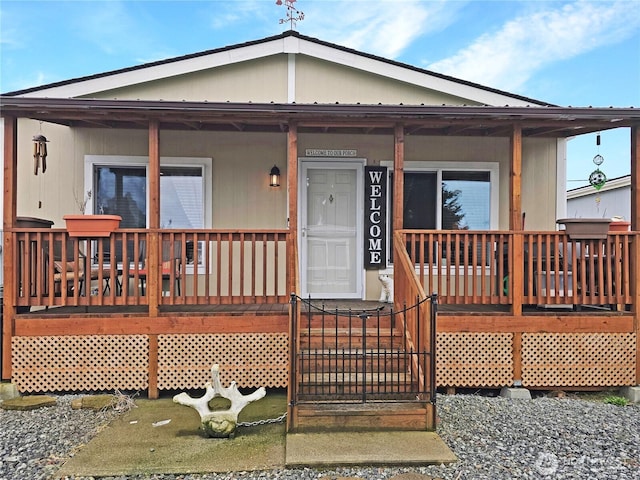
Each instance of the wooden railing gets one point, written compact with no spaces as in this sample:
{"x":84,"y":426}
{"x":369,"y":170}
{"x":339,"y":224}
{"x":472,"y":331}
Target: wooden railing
{"x":410,"y":298}
{"x":254,"y":266}
{"x":480,"y":267}
{"x":193,"y":267}
{"x":220,"y":267}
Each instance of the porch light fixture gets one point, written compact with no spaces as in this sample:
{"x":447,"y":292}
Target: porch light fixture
{"x":274,"y":177}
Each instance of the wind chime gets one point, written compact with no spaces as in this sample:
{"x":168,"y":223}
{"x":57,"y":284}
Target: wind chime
{"x":39,"y":153}
{"x":597,"y":179}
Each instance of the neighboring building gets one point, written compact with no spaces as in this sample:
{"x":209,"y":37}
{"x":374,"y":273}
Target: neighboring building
{"x":612,"y":200}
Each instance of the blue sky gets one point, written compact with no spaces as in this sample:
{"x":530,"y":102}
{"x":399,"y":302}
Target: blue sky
{"x":570,"y":53}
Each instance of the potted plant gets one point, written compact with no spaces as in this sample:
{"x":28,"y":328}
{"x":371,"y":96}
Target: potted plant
{"x":81,"y":225}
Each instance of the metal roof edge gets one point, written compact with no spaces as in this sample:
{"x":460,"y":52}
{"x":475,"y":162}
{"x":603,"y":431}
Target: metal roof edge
{"x":611,"y":184}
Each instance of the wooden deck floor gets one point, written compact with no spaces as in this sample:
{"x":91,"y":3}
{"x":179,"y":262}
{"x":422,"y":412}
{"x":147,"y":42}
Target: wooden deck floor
{"x":329,"y":305}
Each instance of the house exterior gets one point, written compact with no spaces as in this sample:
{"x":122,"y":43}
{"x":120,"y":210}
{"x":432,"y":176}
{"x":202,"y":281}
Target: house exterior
{"x":384,"y":168}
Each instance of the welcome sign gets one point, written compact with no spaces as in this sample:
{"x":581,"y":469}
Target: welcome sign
{"x":375,"y":221}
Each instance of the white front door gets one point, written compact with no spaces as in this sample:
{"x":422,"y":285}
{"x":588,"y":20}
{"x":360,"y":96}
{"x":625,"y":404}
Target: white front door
{"x":330,"y":230}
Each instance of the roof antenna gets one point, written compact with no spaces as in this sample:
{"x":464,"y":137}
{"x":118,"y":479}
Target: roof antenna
{"x":293,"y":15}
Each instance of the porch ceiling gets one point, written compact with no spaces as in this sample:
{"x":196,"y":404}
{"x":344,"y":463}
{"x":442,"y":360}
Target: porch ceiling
{"x":324,"y":118}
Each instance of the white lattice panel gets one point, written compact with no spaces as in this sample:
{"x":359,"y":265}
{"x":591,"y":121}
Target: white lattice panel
{"x":250,"y":359}
{"x":80,"y":363}
{"x":578,"y":359}
{"x":474,"y":359}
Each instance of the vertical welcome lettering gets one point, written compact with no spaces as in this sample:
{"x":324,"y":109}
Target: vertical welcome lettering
{"x":375,"y":221}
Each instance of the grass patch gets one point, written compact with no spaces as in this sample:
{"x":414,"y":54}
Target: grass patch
{"x":616,"y":400}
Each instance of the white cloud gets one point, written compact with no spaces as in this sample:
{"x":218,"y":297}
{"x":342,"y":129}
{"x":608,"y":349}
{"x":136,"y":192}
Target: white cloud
{"x":110,"y":26}
{"x":507,"y":58}
{"x":227,"y":14}
{"x":384,"y":28}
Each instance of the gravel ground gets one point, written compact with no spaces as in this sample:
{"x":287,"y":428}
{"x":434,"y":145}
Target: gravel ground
{"x":494,"y":438}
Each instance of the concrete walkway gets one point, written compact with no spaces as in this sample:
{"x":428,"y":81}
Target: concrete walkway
{"x":132,"y":445}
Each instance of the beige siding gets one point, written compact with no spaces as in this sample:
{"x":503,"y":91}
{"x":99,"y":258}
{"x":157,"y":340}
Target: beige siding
{"x":262,"y":80}
{"x":241,"y":161}
{"x":242,"y":197}
{"x":539,"y":189}
{"x":266,"y":80}
{"x":323,"y":82}
{"x":49,"y":195}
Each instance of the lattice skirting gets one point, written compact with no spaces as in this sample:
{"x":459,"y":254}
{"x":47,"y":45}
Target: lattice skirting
{"x":474,"y":359}
{"x":81,"y":363}
{"x":578,"y":359}
{"x":251,"y":360}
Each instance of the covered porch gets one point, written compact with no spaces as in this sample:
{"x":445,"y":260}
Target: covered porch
{"x":152,"y":307}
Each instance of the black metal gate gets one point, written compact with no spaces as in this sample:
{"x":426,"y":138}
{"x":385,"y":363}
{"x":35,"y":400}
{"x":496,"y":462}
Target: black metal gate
{"x":362,"y":355}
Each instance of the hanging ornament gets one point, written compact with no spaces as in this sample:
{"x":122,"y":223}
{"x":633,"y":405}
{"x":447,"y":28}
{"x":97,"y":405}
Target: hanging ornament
{"x":39,"y":153}
{"x":597,"y":179}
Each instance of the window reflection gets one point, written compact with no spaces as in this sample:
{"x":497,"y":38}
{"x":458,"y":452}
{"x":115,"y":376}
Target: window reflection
{"x":466,"y":200}
{"x":123,"y":191}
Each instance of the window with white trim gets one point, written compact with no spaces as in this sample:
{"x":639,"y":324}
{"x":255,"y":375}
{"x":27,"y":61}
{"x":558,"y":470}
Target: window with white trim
{"x":119,"y":186}
{"x":444,"y":197}
{"x":122,"y":190}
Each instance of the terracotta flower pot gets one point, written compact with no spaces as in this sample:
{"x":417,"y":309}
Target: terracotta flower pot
{"x":91,"y":225}
{"x":620,"y":226}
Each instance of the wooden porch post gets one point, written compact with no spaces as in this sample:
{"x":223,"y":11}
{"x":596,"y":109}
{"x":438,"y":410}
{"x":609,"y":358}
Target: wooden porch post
{"x":398,"y":178}
{"x":397,"y":202}
{"x":153,"y":252}
{"x":515,"y":179}
{"x":293,"y":264}
{"x":8,"y":219}
{"x":635,"y":253}
{"x":292,"y":187}
{"x":515,"y":225}
{"x":635,"y":178}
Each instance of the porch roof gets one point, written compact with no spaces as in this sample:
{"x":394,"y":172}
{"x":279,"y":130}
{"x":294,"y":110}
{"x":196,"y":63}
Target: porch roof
{"x":536,"y":121}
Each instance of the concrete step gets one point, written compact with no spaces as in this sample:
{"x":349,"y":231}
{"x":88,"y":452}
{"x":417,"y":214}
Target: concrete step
{"x":334,"y":448}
